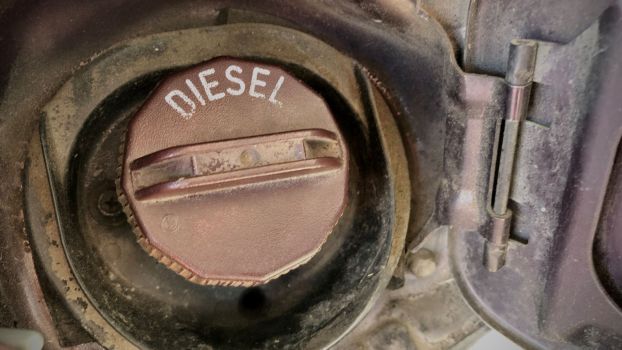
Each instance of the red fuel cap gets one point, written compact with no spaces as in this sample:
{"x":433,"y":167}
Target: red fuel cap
{"x":233,"y":173}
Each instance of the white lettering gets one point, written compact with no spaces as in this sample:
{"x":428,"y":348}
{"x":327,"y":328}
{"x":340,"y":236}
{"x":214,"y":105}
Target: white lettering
{"x":209,"y":86}
{"x":256,"y":82}
{"x":277,"y":87}
{"x":236,"y":80}
{"x":195,"y":91}
{"x":177,"y":107}
{"x":185,"y":101}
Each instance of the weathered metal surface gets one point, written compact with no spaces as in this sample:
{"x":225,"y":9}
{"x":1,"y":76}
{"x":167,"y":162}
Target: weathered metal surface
{"x":46,"y":241}
{"x":243,"y":185}
{"x":547,"y":295}
{"x":426,"y":313}
{"x":491,"y":25}
{"x":595,"y":151}
{"x":519,"y":77}
{"x":82,"y":29}
{"x":446,"y":118}
{"x":333,"y":290}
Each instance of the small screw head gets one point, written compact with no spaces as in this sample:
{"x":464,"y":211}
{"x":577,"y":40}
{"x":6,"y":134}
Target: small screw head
{"x":422,"y":263}
{"x":108,"y":204}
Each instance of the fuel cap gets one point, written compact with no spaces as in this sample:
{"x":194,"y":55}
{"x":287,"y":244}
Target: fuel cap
{"x":233,"y":173}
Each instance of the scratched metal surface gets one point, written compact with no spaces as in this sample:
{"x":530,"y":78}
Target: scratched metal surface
{"x":419,"y":53}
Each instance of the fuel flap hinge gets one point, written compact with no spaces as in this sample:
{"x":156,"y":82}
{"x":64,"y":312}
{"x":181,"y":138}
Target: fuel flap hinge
{"x":519,"y":79}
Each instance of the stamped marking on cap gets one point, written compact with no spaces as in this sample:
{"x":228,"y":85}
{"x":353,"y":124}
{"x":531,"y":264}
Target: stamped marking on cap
{"x":170,"y":223}
{"x":185,"y":101}
{"x":233,"y":173}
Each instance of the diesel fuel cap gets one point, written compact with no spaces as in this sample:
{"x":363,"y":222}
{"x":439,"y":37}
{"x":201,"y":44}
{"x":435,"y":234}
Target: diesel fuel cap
{"x":233,"y":173}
